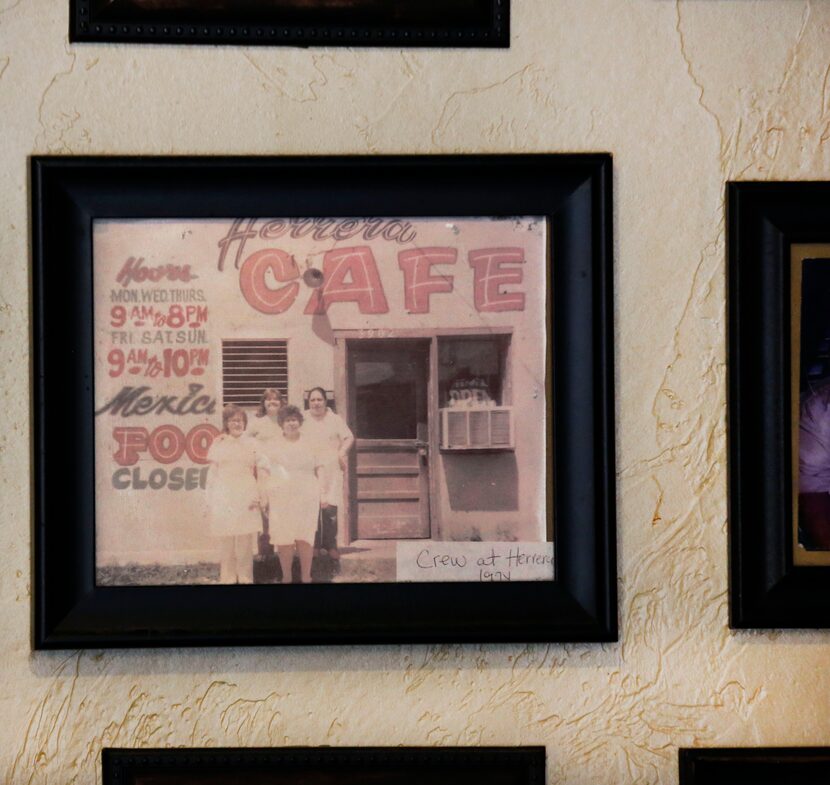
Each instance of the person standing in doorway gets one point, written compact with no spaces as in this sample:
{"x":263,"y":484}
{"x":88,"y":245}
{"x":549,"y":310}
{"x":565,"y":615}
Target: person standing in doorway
{"x":334,"y":439}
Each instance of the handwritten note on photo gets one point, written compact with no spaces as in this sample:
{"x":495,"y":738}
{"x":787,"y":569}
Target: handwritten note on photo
{"x":422,"y":562}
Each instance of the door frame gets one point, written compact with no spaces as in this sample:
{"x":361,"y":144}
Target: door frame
{"x":343,"y":339}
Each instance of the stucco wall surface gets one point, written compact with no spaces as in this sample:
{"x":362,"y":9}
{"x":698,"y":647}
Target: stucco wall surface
{"x":685,"y":95}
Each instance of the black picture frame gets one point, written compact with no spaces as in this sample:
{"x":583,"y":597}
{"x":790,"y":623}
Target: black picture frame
{"x":352,"y":23}
{"x":755,"y":766}
{"x":325,"y":766}
{"x":572,"y":191}
{"x":764,"y":221}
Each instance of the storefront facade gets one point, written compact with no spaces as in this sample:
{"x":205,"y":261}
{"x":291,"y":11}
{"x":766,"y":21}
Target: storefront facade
{"x":429,"y":336}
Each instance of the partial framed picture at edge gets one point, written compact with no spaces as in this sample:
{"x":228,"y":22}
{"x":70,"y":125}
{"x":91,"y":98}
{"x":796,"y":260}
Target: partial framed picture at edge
{"x":325,"y":766}
{"x":779,"y":403}
{"x":299,"y":400}
{"x":755,"y":766}
{"x":386,"y":23}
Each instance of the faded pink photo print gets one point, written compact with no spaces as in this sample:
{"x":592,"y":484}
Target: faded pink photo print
{"x":322,"y":400}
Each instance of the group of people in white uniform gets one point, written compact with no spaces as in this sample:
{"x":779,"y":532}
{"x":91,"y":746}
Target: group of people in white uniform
{"x":286,"y":467}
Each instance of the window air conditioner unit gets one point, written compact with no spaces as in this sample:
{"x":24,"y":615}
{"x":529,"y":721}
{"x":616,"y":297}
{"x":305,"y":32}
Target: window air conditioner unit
{"x":488,"y":428}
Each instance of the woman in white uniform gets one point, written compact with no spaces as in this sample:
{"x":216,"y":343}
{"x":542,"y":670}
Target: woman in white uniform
{"x":333,"y":440}
{"x":292,"y":478}
{"x":262,"y":428}
{"x":233,"y":497}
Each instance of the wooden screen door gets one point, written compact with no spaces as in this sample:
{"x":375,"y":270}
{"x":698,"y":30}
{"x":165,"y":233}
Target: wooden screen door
{"x":387,"y":382}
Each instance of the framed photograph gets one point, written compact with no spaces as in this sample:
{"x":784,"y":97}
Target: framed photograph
{"x":779,"y":404}
{"x":323,"y":400}
{"x":326,"y":766}
{"x":395,"y":23}
{"x":755,"y":766}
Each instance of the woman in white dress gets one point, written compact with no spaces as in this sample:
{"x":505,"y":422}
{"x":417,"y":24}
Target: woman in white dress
{"x":333,"y":439}
{"x":292,"y":478}
{"x":233,"y":497}
{"x":262,"y":428}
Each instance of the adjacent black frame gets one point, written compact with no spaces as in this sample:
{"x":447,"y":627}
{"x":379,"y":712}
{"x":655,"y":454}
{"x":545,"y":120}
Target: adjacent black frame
{"x":326,"y":766}
{"x":763,"y":221}
{"x":400,"y":23}
{"x":755,"y":766}
{"x":572,"y":191}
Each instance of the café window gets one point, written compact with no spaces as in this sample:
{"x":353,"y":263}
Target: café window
{"x":473,"y":392}
{"x":471,"y":371}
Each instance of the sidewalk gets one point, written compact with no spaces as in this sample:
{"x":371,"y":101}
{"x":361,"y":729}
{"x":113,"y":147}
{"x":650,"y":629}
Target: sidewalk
{"x":367,"y":561}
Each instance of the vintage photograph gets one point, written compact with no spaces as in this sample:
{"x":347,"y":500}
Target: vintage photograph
{"x":322,"y":400}
{"x":811,"y":402}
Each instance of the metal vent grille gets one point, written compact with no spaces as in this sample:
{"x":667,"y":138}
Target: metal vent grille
{"x":248,"y":367}
{"x":457,"y":429}
{"x":479,"y":429}
{"x":500,"y":428}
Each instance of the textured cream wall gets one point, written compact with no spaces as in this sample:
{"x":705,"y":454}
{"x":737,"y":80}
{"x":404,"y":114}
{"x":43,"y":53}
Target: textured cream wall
{"x":685,"y":95}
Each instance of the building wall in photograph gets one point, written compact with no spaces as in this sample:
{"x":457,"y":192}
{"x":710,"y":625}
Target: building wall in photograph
{"x":145,"y":516}
{"x":686,"y":95}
